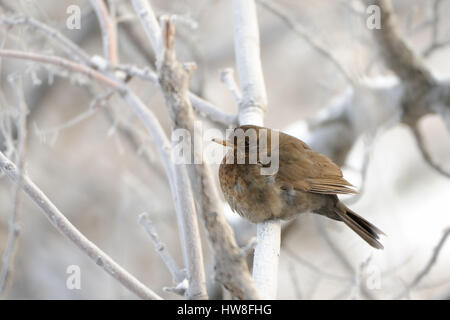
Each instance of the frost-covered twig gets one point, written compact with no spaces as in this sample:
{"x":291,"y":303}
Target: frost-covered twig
{"x":305,"y":35}
{"x":187,"y":215}
{"x":66,"y":64}
{"x":425,"y":153}
{"x":71,"y":48}
{"x":201,"y":105}
{"x":60,"y":222}
{"x":14,"y":228}
{"x":431,"y":262}
{"x":227,"y":77}
{"x":177,"y":274}
{"x":108,"y":29}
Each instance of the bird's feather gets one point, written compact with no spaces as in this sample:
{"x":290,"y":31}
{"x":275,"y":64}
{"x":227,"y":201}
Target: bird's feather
{"x":306,"y":170}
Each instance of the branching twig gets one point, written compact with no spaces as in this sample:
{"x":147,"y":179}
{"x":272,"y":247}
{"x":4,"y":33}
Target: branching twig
{"x":425,"y":153}
{"x":428,"y":266}
{"x":201,"y":105}
{"x":60,"y":222}
{"x":227,"y":77}
{"x":305,"y":35}
{"x":178,"y":107}
{"x":66,"y":64}
{"x":71,"y":48}
{"x":177,"y":274}
{"x":14,"y":228}
{"x":422,"y":92}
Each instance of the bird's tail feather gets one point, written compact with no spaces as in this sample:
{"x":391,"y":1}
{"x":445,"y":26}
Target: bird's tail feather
{"x":366,"y":230}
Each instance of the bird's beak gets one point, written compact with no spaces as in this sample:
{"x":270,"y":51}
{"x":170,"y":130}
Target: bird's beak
{"x":222,"y":142}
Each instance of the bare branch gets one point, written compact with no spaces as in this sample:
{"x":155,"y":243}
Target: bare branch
{"x":202,"y":106}
{"x":396,"y":53}
{"x":14,"y":227}
{"x":227,"y":77}
{"x":423,"y":94}
{"x":60,"y":222}
{"x":108,"y":29}
{"x":252,"y":108}
{"x":425,"y":153}
{"x":428,"y":266}
{"x":248,"y":61}
{"x":177,"y":274}
{"x":66,"y":64}
{"x":151,"y":27}
{"x":435,"y":20}
{"x":305,"y":35}
{"x":71,"y":48}
{"x":315,"y":269}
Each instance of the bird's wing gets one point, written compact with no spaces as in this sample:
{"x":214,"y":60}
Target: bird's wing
{"x":306,"y":170}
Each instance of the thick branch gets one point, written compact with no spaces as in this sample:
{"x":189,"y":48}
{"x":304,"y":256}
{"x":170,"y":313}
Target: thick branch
{"x":248,"y":60}
{"x":251,"y":111}
{"x":396,"y":53}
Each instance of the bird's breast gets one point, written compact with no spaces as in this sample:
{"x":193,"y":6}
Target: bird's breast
{"x":254,"y":196}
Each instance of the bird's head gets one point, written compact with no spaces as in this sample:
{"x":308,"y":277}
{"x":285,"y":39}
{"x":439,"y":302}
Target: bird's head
{"x":248,"y":140}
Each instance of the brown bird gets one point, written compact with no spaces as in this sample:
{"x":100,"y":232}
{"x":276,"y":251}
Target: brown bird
{"x":306,"y":181}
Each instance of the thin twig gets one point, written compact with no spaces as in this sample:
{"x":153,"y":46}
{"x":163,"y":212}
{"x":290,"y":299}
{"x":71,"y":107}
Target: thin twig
{"x":71,"y":48}
{"x":425,"y":153}
{"x":63,"y":225}
{"x":227,"y":77}
{"x":305,"y":35}
{"x":201,"y":105}
{"x":14,"y":228}
{"x":314,"y":268}
{"x":177,"y":274}
{"x":66,"y":64}
{"x":431,"y":262}
{"x":108,"y":29}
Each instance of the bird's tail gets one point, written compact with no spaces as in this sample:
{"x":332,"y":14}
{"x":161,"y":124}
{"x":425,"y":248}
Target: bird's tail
{"x":361,"y":226}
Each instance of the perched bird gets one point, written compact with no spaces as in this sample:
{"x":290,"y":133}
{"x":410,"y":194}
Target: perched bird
{"x":306,"y":181}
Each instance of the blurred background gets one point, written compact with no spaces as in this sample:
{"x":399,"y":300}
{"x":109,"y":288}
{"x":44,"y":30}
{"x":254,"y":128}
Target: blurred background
{"x":101,"y":169}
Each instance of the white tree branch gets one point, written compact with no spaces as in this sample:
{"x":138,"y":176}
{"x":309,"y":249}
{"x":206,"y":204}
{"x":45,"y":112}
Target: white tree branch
{"x":251,"y":111}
